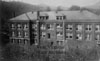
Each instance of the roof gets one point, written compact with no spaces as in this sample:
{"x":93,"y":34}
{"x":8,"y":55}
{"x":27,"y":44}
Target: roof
{"x":26,"y":16}
{"x":71,"y":15}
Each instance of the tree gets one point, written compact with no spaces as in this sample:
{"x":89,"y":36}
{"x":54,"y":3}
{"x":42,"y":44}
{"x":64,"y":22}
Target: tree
{"x":48,"y":9}
{"x":59,"y":8}
{"x":74,"y":7}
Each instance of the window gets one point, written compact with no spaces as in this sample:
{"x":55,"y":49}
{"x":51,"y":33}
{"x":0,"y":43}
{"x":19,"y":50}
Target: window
{"x":43,"y":27}
{"x":98,"y":43}
{"x":97,"y":28}
{"x":41,"y":17}
{"x":69,"y":27}
{"x":47,"y":17}
{"x":51,"y":43}
{"x":19,"y":34}
{"x":59,"y":34}
{"x":25,"y":41}
{"x":19,"y":26}
{"x":44,"y":17}
{"x":78,"y":27}
{"x":60,"y":17}
{"x":12,"y":40}
{"x":59,"y":42}
{"x":19,"y":41}
{"x":88,"y":27}
{"x":97,"y":37}
{"x":50,"y":26}
{"x":59,"y":25}
{"x":26,"y":34}
{"x":25,"y":26}
{"x":69,"y":35}
{"x":35,"y":42}
{"x":43,"y":34}
{"x":79,"y":36}
{"x":88,"y":37}
{"x":12,"y":26}
{"x":34,"y":26}
{"x":48,"y":35}
{"x":13,"y":33}
{"x":64,"y":17}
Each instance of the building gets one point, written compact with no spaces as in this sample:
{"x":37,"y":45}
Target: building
{"x":55,"y":27}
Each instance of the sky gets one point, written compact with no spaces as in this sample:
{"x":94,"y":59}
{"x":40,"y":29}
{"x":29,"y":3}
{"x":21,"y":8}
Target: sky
{"x":64,"y":3}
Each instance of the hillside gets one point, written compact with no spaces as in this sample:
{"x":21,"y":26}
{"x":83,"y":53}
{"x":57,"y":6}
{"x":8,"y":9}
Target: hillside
{"x":94,"y":8}
{"x":11,"y":9}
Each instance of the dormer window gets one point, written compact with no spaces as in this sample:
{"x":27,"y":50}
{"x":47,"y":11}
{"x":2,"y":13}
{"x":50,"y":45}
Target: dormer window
{"x":60,"y":17}
{"x":44,"y":17}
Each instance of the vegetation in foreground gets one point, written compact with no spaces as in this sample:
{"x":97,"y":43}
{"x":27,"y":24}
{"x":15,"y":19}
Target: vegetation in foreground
{"x":27,"y":53}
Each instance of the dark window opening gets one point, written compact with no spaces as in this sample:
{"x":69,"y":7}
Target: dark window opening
{"x":96,"y":28}
{"x":49,"y":36}
{"x":77,"y":37}
{"x":64,"y":17}
{"x":70,"y":36}
{"x":47,"y":17}
{"x":86,"y":28}
{"x":51,"y":43}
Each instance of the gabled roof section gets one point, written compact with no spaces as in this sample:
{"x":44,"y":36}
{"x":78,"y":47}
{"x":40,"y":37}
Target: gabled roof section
{"x":70,"y":15}
{"x":26,"y":16}
{"x":78,"y":15}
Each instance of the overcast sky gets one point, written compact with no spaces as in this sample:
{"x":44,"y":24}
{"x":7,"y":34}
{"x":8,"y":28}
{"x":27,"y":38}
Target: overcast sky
{"x":65,"y":3}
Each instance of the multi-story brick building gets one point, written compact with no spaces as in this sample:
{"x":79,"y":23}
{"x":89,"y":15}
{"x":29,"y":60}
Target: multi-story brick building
{"x":55,"y":28}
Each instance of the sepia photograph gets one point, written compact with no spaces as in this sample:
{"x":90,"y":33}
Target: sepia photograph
{"x":49,"y":30}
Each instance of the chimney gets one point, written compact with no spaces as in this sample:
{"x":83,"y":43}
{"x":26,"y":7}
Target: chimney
{"x":13,"y":14}
{"x":38,"y":14}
